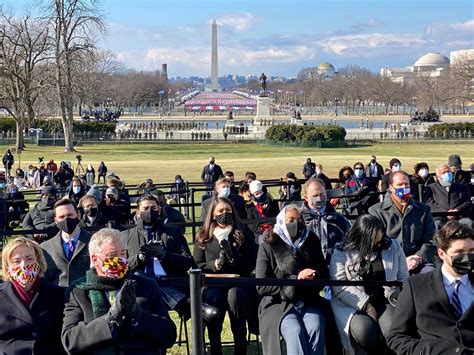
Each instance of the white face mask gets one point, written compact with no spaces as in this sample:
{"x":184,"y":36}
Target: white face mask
{"x":319,"y":172}
{"x":423,"y":172}
{"x":224,"y":192}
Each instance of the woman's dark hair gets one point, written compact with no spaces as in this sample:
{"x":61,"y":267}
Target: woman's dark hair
{"x":451,"y":231}
{"x":359,"y":163}
{"x":419,"y":166}
{"x":207,"y":230}
{"x":360,"y":239}
{"x":341,"y":172}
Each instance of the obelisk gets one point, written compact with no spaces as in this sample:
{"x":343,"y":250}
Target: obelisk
{"x":214,"y":72}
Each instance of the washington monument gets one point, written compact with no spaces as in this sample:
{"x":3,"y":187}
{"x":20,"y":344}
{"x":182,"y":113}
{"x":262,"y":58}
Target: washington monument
{"x":214,"y":60}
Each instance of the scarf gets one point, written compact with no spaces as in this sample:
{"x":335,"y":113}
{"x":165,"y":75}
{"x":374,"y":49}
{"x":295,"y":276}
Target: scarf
{"x":26,"y":297}
{"x":97,"y":286}
{"x":280,"y":229}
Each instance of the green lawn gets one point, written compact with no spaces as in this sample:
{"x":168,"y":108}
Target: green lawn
{"x":136,"y":162}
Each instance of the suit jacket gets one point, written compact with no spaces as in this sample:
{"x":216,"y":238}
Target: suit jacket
{"x":424,"y":321}
{"x":61,"y":271}
{"x":346,"y":300}
{"x":368,"y":171}
{"x":440,"y":200}
{"x":208,"y":175}
{"x":178,"y":258}
{"x":33,"y":330}
{"x":153,"y":332}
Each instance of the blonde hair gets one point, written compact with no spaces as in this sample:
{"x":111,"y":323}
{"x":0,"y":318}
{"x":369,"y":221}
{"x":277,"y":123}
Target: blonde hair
{"x":10,"y":248}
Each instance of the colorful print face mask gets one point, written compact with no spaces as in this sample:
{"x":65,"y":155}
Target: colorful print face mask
{"x":24,"y":275}
{"x":115,"y":267}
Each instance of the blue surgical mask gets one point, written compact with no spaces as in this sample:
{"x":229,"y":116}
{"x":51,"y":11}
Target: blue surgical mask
{"x":396,"y":167}
{"x":359,"y":173}
{"x":76,"y":189}
{"x":446,"y":178}
{"x":224,"y":192}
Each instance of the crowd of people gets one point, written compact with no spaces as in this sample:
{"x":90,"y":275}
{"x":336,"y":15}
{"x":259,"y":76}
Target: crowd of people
{"x":89,"y":275}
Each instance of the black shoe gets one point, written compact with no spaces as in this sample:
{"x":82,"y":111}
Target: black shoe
{"x":209,"y":312}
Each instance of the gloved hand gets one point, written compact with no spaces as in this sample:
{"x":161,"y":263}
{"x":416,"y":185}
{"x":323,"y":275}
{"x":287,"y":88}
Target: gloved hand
{"x":124,"y":302}
{"x":221,"y":260}
{"x":227,"y":248}
{"x":134,"y":311}
{"x":153,"y":250}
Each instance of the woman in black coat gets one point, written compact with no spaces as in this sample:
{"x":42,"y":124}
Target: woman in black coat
{"x":223,"y":248}
{"x":421,"y":177}
{"x":297,"y":314}
{"x":31,"y":310}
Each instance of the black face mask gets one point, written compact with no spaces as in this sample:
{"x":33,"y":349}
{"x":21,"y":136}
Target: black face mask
{"x":91,"y":212}
{"x":149,"y":216}
{"x":48,"y":201}
{"x":225,"y":219}
{"x":68,"y":225}
{"x":372,"y":161}
{"x":463,"y":264}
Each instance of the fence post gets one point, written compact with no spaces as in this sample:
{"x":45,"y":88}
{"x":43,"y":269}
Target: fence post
{"x":193,"y":214}
{"x":195,"y":278}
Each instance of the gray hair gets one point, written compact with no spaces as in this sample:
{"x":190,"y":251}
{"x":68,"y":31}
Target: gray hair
{"x":105,"y":235}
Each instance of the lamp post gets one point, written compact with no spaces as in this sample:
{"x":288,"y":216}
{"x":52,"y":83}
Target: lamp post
{"x":336,"y":100}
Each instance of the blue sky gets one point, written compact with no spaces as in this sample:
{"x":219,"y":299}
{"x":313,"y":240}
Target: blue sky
{"x":280,"y":37}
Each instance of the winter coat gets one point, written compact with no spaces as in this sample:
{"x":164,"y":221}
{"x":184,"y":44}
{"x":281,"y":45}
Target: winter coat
{"x":278,"y":261}
{"x":41,"y":217}
{"x":347,"y":300}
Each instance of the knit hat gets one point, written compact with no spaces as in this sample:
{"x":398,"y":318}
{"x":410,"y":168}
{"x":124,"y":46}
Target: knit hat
{"x":454,"y":160}
{"x":255,"y":186}
{"x":49,"y":190}
{"x":112,"y":191}
{"x":95,"y":191}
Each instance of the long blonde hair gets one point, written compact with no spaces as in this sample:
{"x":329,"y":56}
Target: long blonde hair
{"x":10,"y":248}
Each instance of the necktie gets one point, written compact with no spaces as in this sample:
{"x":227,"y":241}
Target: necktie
{"x":455,"y":300}
{"x":70,"y":250}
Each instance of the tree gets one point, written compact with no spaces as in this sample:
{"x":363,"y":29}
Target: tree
{"x":24,"y":44}
{"x":76,"y":24}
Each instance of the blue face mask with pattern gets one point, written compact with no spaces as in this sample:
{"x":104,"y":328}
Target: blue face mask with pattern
{"x":446,"y":179}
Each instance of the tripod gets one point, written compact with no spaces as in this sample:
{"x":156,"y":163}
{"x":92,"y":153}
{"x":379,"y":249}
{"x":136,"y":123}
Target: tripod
{"x":79,"y":168}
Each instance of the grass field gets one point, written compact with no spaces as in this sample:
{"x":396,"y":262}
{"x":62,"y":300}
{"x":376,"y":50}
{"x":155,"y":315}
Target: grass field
{"x":161,"y":162}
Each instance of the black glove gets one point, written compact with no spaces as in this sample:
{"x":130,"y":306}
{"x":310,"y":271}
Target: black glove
{"x":134,"y":311}
{"x":153,"y":250}
{"x":123,"y":304}
{"x":221,"y":260}
{"x":227,"y":248}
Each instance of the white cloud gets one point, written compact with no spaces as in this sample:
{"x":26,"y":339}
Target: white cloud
{"x":467,"y":26}
{"x":238,"y":21}
{"x":342,"y":44}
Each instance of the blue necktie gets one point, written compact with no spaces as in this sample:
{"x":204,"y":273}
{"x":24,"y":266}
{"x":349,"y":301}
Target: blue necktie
{"x":455,"y":300}
{"x":71,"y":248}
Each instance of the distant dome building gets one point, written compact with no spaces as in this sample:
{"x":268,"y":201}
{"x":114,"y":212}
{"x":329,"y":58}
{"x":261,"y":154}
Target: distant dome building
{"x":326,"y":70}
{"x":435,"y":63}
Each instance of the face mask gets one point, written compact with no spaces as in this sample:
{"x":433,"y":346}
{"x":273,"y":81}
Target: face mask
{"x":456,"y":167}
{"x":76,"y":189}
{"x":91,"y":212}
{"x":111,"y":199}
{"x":115,"y":267}
{"x":463,"y":264}
{"x":359,"y":173}
{"x":372,"y":161}
{"x":260,"y":198}
{"x":345,"y":178}
{"x":423,"y":172}
{"x":179,"y":181}
{"x":24,"y":275}
{"x":224,"y":192}
{"x":48,"y":201}
{"x":403,"y":193}
{"x":319,"y":202}
{"x":396,"y":167}
{"x":318,"y":172}
{"x":294,"y":229}
{"x":149,"y":216}
{"x":446,"y":179}
{"x":68,"y":225}
{"x":13,"y":191}
{"x":225,"y":219}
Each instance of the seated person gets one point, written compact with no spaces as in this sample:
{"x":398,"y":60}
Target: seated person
{"x":435,"y":310}
{"x":291,"y":251}
{"x":93,"y":216}
{"x":76,"y":190}
{"x":364,"y":313}
{"x":111,"y":309}
{"x":31,"y":310}
{"x":446,"y":195}
{"x":360,"y":190}
{"x":172,"y":215}
{"x":291,"y":191}
{"x":41,"y":217}
{"x":261,"y":206}
{"x":221,"y":248}
{"x":15,"y":205}
{"x":222,"y":188}
{"x":116,"y":206}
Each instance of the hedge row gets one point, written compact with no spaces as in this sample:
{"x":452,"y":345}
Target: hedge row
{"x":450,"y":127}
{"x":51,"y":126}
{"x":305,"y":134}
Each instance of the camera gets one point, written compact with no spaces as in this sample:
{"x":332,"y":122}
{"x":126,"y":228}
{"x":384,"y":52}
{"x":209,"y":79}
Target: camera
{"x":40,"y":159}
{"x":79,"y":157}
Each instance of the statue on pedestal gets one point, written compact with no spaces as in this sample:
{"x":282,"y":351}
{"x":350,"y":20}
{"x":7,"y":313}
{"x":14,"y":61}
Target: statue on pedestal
{"x":263,"y":84}
{"x":230,"y":116}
